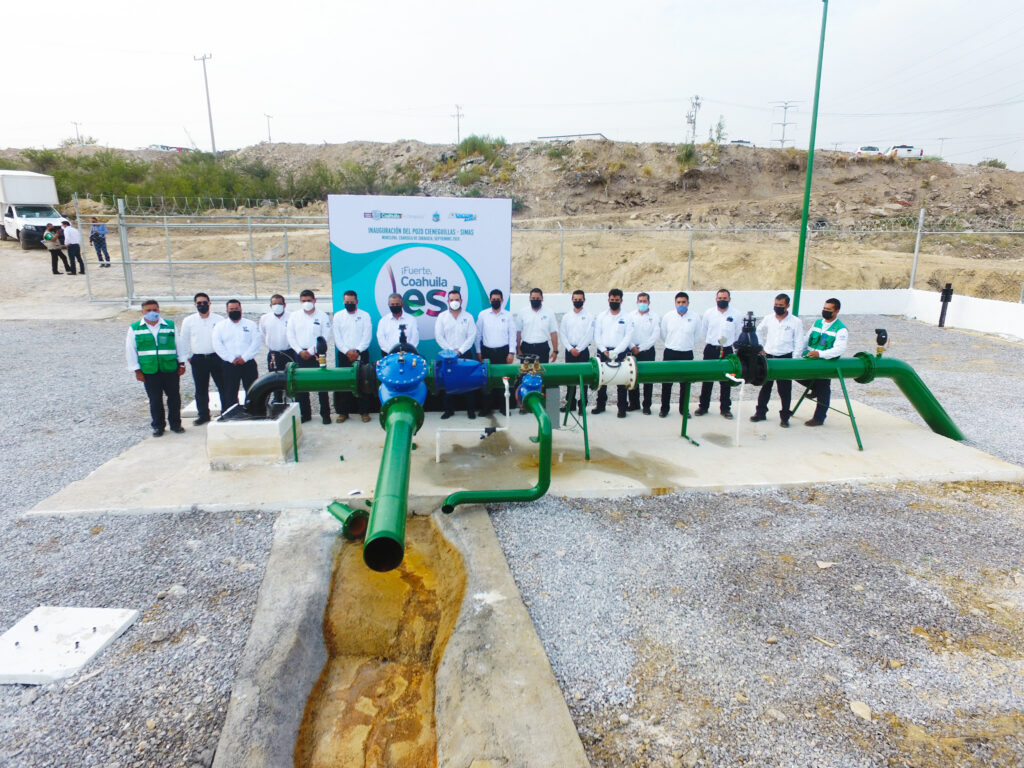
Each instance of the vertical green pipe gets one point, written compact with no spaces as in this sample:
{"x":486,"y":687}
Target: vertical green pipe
{"x":810,"y":168}
{"x":295,"y":441}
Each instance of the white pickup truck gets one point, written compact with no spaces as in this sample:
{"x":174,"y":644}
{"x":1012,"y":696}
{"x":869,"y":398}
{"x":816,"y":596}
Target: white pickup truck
{"x":27,"y":202}
{"x":904,"y":150}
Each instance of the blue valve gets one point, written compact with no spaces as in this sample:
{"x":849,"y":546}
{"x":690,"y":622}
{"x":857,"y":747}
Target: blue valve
{"x":455,"y":375}
{"x":531,"y":382}
{"x":402,"y":373}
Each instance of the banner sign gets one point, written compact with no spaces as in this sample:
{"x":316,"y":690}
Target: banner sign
{"x":419,"y":248}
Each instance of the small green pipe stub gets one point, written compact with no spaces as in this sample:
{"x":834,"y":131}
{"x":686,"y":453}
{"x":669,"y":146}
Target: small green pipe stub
{"x":353,"y":521}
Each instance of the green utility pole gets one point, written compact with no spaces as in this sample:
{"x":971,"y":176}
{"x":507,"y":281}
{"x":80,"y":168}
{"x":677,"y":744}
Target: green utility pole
{"x":810,"y":167}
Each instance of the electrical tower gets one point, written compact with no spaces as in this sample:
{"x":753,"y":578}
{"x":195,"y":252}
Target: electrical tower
{"x":691,"y":118}
{"x":785,"y":106}
{"x":459,"y":114}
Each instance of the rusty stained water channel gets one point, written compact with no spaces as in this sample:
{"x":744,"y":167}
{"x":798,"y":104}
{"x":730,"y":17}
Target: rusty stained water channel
{"x":373,"y":706}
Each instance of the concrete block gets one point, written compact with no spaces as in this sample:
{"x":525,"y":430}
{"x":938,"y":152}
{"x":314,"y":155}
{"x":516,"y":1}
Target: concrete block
{"x":190,"y":411}
{"x":231,"y":444}
{"x":52,"y":643}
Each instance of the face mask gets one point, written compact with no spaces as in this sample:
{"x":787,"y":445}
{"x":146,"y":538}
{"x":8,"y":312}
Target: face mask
{"x":151,"y":317}
{"x":396,"y":311}
{"x":495,"y":303}
{"x":307,"y":306}
{"x":350,"y":307}
{"x":682,"y":308}
{"x":722,"y":303}
{"x":277,"y":309}
{"x":235,"y":314}
{"x":455,"y":305}
{"x":535,"y":303}
{"x":614,"y":305}
{"x":827,"y":315}
{"x":780,"y":311}
{"x":203,"y":307}
{"x":643,"y":307}
{"x":578,"y":304}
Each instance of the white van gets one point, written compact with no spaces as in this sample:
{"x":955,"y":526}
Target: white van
{"x":27,"y":202}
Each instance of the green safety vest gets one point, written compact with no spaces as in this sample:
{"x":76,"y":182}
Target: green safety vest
{"x":155,"y":354}
{"x":821,"y":339}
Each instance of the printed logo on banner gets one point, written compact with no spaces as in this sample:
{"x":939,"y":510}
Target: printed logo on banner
{"x":463,"y":216}
{"x":422,"y":276}
{"x":377,"y":215}
{"x":436,"y":216}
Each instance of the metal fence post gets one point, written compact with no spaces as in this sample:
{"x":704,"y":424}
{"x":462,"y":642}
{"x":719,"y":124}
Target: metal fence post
{"x":252,"y":258}
{"x":170,"y":264}
{"x":287,"y":266}
{"x":561,"y":256}
{"x":917,"y":249}
{"x":126,"y":262}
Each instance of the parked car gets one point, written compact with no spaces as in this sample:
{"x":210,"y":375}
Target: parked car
{"x":904,"y":150}
{"x":868,"y":151}
{"x":741,"y":143}
{"x":27,"y":203}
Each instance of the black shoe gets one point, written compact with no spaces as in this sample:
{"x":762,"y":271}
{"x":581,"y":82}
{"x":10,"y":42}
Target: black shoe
{"x":178,"y":430}
{"x":621,"y":414}
{"x":700,"y":411}
{"x":726,"y":414}
{"x":758,"y":417}
{"x":447,"y":414}
{"x":633,"y":408}
{"x":200,"y":421}
{"x":326,"y":419}
{"x":304,"y":419}
{"x":470,"y":414}
{"x":486,"y":412}
{"x":814,"y":423}
{"x":647,"y":411}
{"x":597,"y":409}
{"x":158,"y":432}
{"x":663,"y":413}
{"x":784,"y":423}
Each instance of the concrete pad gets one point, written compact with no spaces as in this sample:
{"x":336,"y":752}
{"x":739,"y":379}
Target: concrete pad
{"x":636,"y":455}
{"x":51,"y":642}
{"x":234,"y":444}
{"x":191,"y":410}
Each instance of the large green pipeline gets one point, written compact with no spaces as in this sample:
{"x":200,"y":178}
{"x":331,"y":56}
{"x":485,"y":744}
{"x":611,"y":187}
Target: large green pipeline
{"x":535,"y":402}
{"x":384,"y":545}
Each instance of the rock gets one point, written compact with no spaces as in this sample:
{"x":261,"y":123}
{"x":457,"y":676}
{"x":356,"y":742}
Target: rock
{"x":742,"y":699}
{"x":159,"y":636}
{"x":771,"y":640}
{"x":177,"y":591}
{"x":861,"y":710}
{"x":775,"y":715}
{"x":624,"y":719}
{"x":29,"y":696}
{"x":895,"y":663}
{"x":150,"y":724}
{"x":823,"y":564}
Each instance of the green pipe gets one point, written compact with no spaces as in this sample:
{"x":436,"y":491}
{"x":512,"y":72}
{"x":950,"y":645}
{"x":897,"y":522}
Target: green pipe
{"x":535,"y":402}
{"x":384,"y":545}
{"x":353,"y":521}
{"x":320,"y":379}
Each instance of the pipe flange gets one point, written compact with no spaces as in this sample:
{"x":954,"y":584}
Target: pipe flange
{"x":401,"y":399}
{"x":869,"y":368}
{"x":621,"y":374}
{"x":366,"y":378}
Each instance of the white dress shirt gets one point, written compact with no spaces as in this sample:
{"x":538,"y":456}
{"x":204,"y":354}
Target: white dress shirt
{"x":782,"y":335}
{"x":388,"y":331}
{"x":71,"y":236}
{"x":838,"y":346}
{"x":536,"y":325}
{"x":496,"y":330}
{"x":612,"y":333}
{"x":458,"y":333}
{"x":717,"y":325}
{"x":577,"y":330}
{"x":681,"y":332}
{"x":646,"y":330}
{"x":196,"y":334}
{"x":352,"y":331}
{"x":274,"y":330}
{"x":131,"y":354}
{"x":241,"y":339}
{"x":304,"y":330}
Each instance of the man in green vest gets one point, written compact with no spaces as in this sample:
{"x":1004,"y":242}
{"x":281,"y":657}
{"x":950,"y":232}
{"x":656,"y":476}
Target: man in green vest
{"x":151,"y":350}
{"x":827,"y":341}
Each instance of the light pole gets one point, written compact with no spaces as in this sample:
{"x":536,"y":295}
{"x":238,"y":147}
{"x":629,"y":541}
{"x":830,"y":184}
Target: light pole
{"x":268,"y":126}
{"x":810,"y":167}
{"x":209,"y":111}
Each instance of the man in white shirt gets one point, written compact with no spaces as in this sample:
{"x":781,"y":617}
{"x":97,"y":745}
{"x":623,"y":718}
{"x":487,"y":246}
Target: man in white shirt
{"x":353,"y":330}
{"x":304,"y":328}
{"x":274,"y":330}
{"x":196,"y":344}
{"x":577,"y":332}
{"x":719,"y":330}
{"x":681,"y":331}
{"x":495,"y":343}
{"x":236,"y":341}
{"x":782,"y":336}
{"x":826,"y":340}
{"x":646,"y":332}
{"x":537,"y":331}
{"x":455,"y":331}
{"x":73,"y":242}
{"x":389,"y":327}
{"x":613,"y":331}
{"x":152,"y":353}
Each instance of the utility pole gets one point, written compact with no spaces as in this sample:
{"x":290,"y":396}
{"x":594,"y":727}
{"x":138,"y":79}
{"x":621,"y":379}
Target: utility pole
{"x":268,"y":126}
{"x":835,"y":145}
{"x":78,"y":137}
{"x":942,"y":141}
{"x":785,"y":106}
{"x":459,"y":114}
{"x":209,"y":111}
{"x":691,"y":118}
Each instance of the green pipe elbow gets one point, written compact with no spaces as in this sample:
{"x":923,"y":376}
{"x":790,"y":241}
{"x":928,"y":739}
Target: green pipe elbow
{"x":353,"y":521}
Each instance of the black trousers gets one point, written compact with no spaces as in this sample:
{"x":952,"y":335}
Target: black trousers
{"x":305,"y":407}
{"x":495,"y":399}
{"x":232,"y":374}
{"x":277,"y":361}
{"x":55,"y":254}
{"x":620,"y":391}
{"x":822,"y":389}
{"x":542,"y":351}
{"x":158,"y":385}
{"x":570,"y":392}
{"x":203,"y":367}
{"x":75,"y":252}
{"x":666,"y":388}
{"x":471,"y":397}
{"x":712,"y":352}
{"x":346,"y":402}
{"x":648,"y":389}
{"x":785,"y":387}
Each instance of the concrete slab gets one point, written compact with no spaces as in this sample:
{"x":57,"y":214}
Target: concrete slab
{"x":52,"y":642}
{"x":234,"y":444}
{"x":636,"y":455}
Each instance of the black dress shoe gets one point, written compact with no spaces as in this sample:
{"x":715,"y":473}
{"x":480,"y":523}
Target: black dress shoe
{"x":813,"y":423}
{"x":784,"y":424}
{"x":158,"y":433}
{"x":447,"y":414}
{"x":178,"y":430}
{"x":700,"y":411}
{"x":647,"y":411}
{"x":486,"y":412}
{"x":726,"y":414}
{"x":758,"y":417}
{"x":597,"y":409}
{"x":200,"y":421}
{"x":663,"y":412}
{"x":326,"y":419}
{"x":633,"y":408}
{"x":470,"y":414}
{"x":621,"y":414}
{"x":304,"y":419}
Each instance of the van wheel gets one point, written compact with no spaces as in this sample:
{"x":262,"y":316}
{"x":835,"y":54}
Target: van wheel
{"x":25,"y":244}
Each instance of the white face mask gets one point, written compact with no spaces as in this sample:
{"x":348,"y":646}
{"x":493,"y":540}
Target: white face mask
{"x":455,"y":304}
{"x":278,"y":309}
{"x":307,"y":306}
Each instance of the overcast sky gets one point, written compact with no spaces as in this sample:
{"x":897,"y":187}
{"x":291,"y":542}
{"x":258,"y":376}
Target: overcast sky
{"x":895,"y":71}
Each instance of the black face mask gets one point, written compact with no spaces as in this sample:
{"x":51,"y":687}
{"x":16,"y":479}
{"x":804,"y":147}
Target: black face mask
{"x":722,"y":303}
{"x":780,"y":311}
{"x":827,"y":315}
{"x":235,"y":314}
{"x":396,"y":311}
{"x":614,"y":305}
{"x":349,"y":307}
{"x":535,"y":303}
{"x":495,"y":303}
{"x":203,"y":307}
{"x":578,"y":304}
